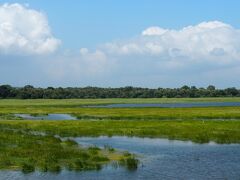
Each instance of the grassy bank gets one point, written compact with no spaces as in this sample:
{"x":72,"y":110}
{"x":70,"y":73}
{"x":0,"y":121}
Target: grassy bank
{"x":22,"y":147}
{"x":79,"y":102}
{"x":196,"y":131}
{"x":132,"y":113}
{"x":28,"y":151}
{"x":8,"y":107}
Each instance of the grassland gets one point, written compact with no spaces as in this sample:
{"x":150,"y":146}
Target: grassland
{"x":23,"y":147}
{"x":196,"y":131}
{"x":79,"y":102}
{"x":203,"y":113}
{"x":76,"y":107}
{"x":29,"y":151}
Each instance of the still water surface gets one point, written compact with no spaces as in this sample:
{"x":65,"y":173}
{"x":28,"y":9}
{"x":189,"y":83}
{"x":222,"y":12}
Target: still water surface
{"x":170,"y":105}
{"x":47,"y":117}
{"x":160,"y":159}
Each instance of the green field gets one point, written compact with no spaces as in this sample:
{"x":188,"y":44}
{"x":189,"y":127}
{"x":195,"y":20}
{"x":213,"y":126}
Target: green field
{"x":196,"y":131}
{"x":77,"y":102}
{"x":76,"y":107}
{"x":28,"y":150}
{"x":18,"y":137}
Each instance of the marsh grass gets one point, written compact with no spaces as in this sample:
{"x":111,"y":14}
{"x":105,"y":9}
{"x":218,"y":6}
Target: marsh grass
{"x":196,"y":131}
{"x":131,"y":162}
{"x":33,"y":145}
{"x":203,"y":113}
{"x":22,"y":150}
{"x":75,"y":107}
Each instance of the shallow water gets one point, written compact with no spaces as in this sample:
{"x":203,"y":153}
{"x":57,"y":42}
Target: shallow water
{"x":160,"y":159}
{"x":47,"y":117}
{"x":170,"y":105}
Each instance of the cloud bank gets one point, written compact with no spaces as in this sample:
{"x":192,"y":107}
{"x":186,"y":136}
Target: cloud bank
{"x":202,"y":54}
{"x":25,"y":31}
{"x":207,"y":41}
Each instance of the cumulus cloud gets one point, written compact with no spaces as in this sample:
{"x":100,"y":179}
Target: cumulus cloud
{"x":78,"y":66}
{"x":25,"y":31}
{"x":154,"y":31}
{"x":159,"y":56}
{"x":207,"y":41}
{"x":202,"y":54}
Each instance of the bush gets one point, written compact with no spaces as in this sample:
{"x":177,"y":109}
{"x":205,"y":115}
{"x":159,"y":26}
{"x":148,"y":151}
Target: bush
{"x":132,"y":163}
{"x":27,"y":168}
{"x":70,"y":142}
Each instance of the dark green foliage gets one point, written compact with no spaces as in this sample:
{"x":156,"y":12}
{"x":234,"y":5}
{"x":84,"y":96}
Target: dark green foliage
{"x":27,"y":168}
{"x":54,"y":168}
{"x":131,"y":163}
{"x":70,"y":142}
{"x":197,"y":131}
{"x":94,"y":149}
{"x":23,"y":150}
{"x":109,"y":148}
{"x":99,"y":158}
{"x":29,"y":92}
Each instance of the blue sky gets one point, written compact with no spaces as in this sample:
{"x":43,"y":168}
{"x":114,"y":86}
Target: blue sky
{"x":88,"y":23}
{"x":101,"y":43}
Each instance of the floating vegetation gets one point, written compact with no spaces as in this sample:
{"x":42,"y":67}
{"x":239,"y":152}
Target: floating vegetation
{"x":130,"y":162}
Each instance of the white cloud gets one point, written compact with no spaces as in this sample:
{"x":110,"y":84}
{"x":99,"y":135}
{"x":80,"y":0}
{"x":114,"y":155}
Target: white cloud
{"x":25,"y":31}
{"x":154,"y":31}
{"x":208,"y":41}
{"x":159,"y":57}
{"x":78,"y":66}
{"x":207,"y":53}
{"x":84,"y":51}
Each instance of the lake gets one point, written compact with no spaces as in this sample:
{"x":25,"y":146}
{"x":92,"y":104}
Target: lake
{"x":46,"y":117}
{"x":160,"y":159}
{"x":169,"y":105}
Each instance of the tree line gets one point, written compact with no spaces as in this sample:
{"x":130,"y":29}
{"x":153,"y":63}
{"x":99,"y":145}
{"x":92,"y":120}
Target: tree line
{"x":30,"y":92}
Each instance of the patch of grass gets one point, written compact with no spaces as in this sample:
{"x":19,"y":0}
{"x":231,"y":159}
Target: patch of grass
{"x":109,"y":148}
{"x":130,"y":162}
{"x":196,"y":131}
{"x":75,"y":106}
{"x":27,"y":168}
{"x":33,"y":145}
{"x":70,"y":142}
{"x":25,"y":151}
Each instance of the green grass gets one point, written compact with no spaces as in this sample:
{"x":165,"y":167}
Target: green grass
{"x":28,"y":151}
{"x":196,"y":131}
{"x":133,"y":113}
{"x":75,"y":107}
{"x":77,"y":102}
{"x":32,"y":145}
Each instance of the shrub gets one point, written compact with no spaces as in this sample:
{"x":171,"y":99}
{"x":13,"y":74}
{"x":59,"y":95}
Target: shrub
{"x":27,"y":168}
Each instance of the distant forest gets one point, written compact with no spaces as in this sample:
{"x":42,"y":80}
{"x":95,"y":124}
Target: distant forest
{"x":30,"y":92}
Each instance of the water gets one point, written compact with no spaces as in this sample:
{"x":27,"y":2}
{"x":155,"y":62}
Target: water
{"x":170,"y":105}
{"x":160,"y":158}
{"x":47,"y":117}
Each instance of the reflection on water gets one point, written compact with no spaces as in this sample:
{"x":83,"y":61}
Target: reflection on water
{"x":160,"y":159}
{"x":170,"y":105}
{"x":46,"y":117}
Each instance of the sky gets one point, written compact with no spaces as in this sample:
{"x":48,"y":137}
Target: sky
{"x":147,"y":43}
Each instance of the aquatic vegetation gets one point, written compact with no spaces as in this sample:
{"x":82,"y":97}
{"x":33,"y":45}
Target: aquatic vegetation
{"x":22,"y":150}
{"x":200,"y":113}
{"x":27,"y":168}
{"x":29,"y":145}
{"x":9,"y":117}
{"x":130,"y":162}
{"x":109,"y":148}
{"x":196,"y":131}
{"x":70,"y":142}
